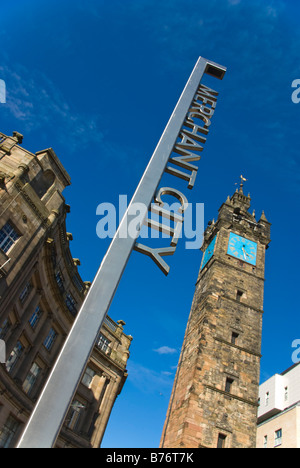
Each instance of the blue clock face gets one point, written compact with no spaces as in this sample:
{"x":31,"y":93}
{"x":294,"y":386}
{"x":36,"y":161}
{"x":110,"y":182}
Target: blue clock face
{"x":208,"y":252}
{"x":242,"y":248}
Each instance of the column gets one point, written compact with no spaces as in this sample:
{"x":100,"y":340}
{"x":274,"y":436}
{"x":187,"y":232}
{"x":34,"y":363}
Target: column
{"x":104,"y":411}
{"x":21,"y":171}
{"x":97,"y":387}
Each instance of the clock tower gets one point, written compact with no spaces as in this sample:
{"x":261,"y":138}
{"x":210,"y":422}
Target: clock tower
{"x":215,"y":394}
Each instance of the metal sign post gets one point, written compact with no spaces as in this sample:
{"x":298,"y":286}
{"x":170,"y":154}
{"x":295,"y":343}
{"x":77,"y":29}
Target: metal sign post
{"x":48,"y":416}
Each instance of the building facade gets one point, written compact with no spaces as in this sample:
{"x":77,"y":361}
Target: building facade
{"x":279,"y":410}
{"x":41,"y":292}
{"x":214,"y":399}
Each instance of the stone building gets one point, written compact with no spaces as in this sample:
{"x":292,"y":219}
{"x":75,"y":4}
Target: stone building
{"x":215,"y":394}
{"x":41,"y":292}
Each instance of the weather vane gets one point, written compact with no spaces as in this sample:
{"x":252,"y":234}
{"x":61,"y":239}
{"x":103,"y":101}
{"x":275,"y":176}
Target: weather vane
{"x":242,"y":181}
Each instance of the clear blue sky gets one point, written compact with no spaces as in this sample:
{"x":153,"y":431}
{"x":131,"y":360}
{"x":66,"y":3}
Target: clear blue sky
{"x":97,"y":82}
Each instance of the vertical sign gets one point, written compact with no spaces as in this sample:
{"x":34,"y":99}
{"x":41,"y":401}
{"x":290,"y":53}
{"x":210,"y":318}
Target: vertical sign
{"x":47,"y":418}
{"x":190,"y":143}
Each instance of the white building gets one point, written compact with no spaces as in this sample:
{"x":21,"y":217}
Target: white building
{"x":279,"y":410}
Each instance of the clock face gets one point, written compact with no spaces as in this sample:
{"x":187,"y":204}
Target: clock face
{"x":208,"y":252}
{"x":242,"y":248}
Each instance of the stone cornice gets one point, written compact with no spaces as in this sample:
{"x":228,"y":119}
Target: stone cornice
{"x":230,"y":395}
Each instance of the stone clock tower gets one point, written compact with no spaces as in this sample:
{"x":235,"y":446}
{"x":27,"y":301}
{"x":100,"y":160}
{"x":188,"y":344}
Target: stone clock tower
{"x":215,"y":394}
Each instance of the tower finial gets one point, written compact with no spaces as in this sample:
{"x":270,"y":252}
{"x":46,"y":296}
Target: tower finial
{"x":241,"y":183}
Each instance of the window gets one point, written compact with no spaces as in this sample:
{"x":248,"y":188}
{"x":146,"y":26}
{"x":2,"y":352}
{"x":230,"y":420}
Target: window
{"x":70,"y":303}
{"x":31,"y":378}
{"x":35,"y":317}
{"x":8,"y":237}
{"x":59,"y":281}
{"x":228,"y":385}
{"x":14,"y":356}
{"x":78,"y":283}
{"x":266,"y":442}
{"x":234,"y":338}
{"x":267,"y":398}
{"x":25,"y":293}
{"x":221,"y":441}
{"x":103,"y":343}
{"x":50,"y":340}
{"x":278,"y":437}
{"x":74,"y":414}
{"x":239,"y":295}
{"x":8,"y":431}
{"x":4,"y":328}
{"x":88,"y":377}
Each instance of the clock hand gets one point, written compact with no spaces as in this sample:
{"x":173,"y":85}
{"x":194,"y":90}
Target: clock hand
{"x":245,"y":253}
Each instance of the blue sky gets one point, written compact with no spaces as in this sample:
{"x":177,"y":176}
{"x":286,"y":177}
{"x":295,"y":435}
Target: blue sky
{"x":97,"y":82}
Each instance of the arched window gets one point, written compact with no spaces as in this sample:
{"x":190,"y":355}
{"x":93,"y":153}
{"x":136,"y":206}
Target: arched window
{"x":42,"y":182}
